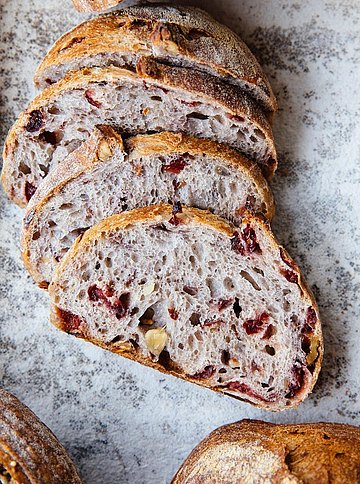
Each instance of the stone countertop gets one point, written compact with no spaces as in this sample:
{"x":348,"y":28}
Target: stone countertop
{"x":125,"y":423}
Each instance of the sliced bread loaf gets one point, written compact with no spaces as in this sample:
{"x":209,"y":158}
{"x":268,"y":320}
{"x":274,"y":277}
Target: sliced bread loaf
{"x":29,"y":451}
{"x":181,"y":290}
{"x":261,"y":452}
{"x":180,"y":36}
{"x":102,"y":177}
{"x":94,"y":5}
{"x":159,"y":98}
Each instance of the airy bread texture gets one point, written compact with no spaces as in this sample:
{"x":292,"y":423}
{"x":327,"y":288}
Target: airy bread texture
{"x":181,"y":290}
{"x":256,"y":451}
{"x":29,"y":451}
{"x":94,"y":5}
{"x":177,"y":36}
{"x":158,"y":98}
{"x":102,"y":177}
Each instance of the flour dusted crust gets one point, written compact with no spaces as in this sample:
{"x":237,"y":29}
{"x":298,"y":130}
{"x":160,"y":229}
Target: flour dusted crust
{"x":159,"y":214}
{"x":29,"y":451}
{"x":103,"y":147}
{"x":178,"y":35}
{"x":94,"y":5}
{"x":236,"y":109}
{"x":256,"y":451}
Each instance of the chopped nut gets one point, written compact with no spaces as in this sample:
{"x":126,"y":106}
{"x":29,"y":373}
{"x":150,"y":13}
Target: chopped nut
{"x":156,"y":340}
{"x":138,"y":169}
{"x":149,"y":322}
{"x":146,"y":111}
{"x":314,"y":345}
{"x":104,"y":151}
{"x":148,"y":288}
{"x":233,"y":363}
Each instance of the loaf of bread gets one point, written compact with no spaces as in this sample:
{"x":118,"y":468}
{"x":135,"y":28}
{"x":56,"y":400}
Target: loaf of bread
{"x":181,"y":290}
{"x":29,"y":451}
{"x":158,"y":98}
{"x":94,"y":5}
{"x":177,"y":36}
{"x":261,"y":452}
{"x":103,"y":177}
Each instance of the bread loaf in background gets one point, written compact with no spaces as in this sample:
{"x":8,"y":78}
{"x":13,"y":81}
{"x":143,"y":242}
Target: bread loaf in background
{"x":261,"y":452}
{"x":29,"y":451}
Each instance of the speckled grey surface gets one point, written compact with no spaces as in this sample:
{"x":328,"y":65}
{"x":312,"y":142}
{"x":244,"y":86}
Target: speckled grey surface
{"x":124,"y":423}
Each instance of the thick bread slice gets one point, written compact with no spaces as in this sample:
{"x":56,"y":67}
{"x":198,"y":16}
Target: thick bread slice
{"x":159,"y":98}
{"x":94,"y":5}
{"x":261,"y":452}
{"x":181,"y":36}
{"x":29,"y":451}
{"x":181,"y":290}
{"x":102,"y":178}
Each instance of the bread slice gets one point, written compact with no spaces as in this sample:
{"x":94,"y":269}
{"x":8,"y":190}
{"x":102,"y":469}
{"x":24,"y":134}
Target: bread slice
{"x":181,"y":290}
{"x":159,"y":98}
{"x":177,"y":36}
{"x":103,"y":177}
{"x":94,"y":5}
{"x":29,"y":451}
{"x":256,"y":451}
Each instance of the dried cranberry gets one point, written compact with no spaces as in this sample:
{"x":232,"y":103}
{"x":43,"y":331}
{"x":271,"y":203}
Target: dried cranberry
{"x":177,"y":165}
{"x":286,"y":259}
{"x":36,"y":121}
{"x":225,"y":357}
{"x":192,"y":104}
{"x":109,"y":290}
{"x":310,"y":321}
{"x":246,"y":242}
{"x":30,"y":189}
{"x":173,"y":313}
{"x":177,"y":208}
{"x":243,"y":388}
{"x":90,"y":98}
{"x":238,"y":119}
{"x":209,"y":322}
{"x":253,"y":326}
{"x":121,"y":305}
{"x":71,"y":322}
{"x":207,"y":372}
{"x":96,"y":294}
{"x":49,"y":137}
{"x":298,"y":379}
{"x":221,"y":303}
{"x":255,"y":366}
{"x":289,"y":275}
{"x":305,"y":344}
{"x":75,"y":40}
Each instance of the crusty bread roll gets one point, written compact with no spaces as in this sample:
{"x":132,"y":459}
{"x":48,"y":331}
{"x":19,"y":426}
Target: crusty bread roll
{"x":104,"y":176}
{"x":185,"y":292}
{"x":252,"y":451}
{"x":178,"y":36}
{"x":29,"y":451}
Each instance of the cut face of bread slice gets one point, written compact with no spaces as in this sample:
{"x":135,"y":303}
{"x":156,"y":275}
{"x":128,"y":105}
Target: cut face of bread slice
{"x":94,"y":5}
{"x":178,"y":36}
{"x":181,"y":290}
{"x":158,"y":98}
{"x":256,"y":451}
{"x":102,"y":178}
{"x":29,"y":451}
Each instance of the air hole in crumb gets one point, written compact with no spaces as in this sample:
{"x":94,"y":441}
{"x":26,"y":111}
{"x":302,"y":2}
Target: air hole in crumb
{"x":134,"y":311}
{"x":147,"y":317}
{"x":245,"y":275}
{"x":270,"y":350}
{"x":155,"y":98}
{"x":36,"y":235}
{"x":326,"y":437}
{"x":222,"y":370}
{"x":195,"y":319}
{"x":180,"y":346}
{"x":259,"y":271}
{"x":194,"y":115}
{"x":237,"y":308}
{"x":97,"y":266}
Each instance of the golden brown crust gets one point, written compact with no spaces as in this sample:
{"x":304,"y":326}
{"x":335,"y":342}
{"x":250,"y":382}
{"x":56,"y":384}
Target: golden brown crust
{"x":89,"y":153}
{"x":185,"y":32}
{"x":29,"y":451}
{"x":94,"y":5}
{"x":177,"y":78}
{"x":321,"y":452}
{"x":160,"y":213}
